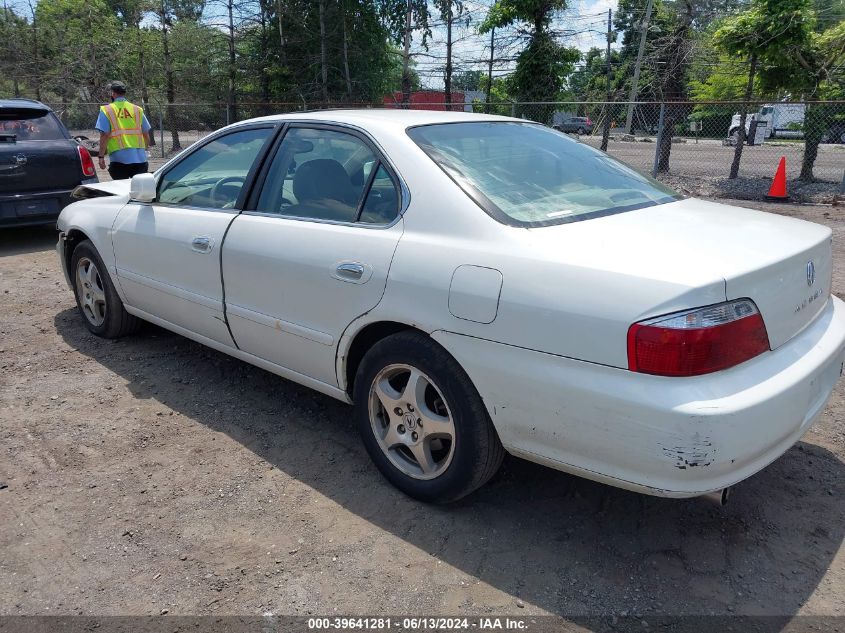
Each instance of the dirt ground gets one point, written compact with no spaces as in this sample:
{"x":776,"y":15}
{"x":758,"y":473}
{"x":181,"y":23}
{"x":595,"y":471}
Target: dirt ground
{"x":152,"y":475}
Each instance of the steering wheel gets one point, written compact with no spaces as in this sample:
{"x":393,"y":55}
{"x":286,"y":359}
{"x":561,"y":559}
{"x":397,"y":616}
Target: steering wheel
{"x":217,"y":189}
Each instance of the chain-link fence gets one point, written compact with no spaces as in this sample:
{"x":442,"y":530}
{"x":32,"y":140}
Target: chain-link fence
{"x":704,"y":149}
{"x":711,"y":149}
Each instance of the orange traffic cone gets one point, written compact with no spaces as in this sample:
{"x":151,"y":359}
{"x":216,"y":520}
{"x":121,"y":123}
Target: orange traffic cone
{"x":777,"y":192}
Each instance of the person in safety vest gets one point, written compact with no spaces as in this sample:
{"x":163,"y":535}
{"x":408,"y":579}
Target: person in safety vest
{"x":124,"y":135}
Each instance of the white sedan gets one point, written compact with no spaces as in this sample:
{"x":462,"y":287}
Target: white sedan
{"x":474,"y":285}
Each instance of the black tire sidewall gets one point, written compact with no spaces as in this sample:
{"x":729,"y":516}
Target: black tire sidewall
{"x":114,"y":306}
{"x":468,"y":414}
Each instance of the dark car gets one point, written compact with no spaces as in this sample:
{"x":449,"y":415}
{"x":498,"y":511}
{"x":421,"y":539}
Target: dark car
{"x":40,"y":164}
{"x":577,"y":124}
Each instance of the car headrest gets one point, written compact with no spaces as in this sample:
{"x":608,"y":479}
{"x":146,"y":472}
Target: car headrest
{"x":322,"y":178}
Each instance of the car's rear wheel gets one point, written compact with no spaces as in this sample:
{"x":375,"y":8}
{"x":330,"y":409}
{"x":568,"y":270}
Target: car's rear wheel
{"x":96,"y":297}
{"x":422,"y":420}
{"x":582,"y":131}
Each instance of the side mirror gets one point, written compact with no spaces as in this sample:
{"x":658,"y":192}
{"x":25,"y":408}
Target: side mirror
{"x":142,"y":188}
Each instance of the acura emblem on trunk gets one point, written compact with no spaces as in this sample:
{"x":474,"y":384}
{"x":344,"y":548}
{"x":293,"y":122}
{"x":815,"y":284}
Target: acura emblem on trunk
{"x":811,"y":273}
{"x":20,"y":159}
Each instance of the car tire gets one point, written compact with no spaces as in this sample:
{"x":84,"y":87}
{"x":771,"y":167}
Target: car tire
{"x":434,"y":441}
{"x":581,"y":131}
{"x":96,"y":297}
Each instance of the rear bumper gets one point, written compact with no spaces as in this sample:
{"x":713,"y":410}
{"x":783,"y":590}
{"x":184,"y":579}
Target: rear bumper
{"x":673,"y":437}
{"x":41,"y":207}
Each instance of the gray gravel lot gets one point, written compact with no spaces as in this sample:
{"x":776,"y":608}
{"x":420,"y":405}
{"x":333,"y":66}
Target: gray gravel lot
{"x":701,"y":169}
{"x":710,"y":158}
{"x":154,"y":474}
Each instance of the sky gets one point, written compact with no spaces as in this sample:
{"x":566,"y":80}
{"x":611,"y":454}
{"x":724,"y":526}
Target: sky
{"x":582,"y":25}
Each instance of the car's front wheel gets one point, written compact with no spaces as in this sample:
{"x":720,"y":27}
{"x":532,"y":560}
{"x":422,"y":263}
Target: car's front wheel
{"x":422,"y":420}
{"x":96,"y":297}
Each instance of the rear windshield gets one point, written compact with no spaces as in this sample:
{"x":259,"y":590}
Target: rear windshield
{"x":30,"y":125}
{"x":526,"y":174}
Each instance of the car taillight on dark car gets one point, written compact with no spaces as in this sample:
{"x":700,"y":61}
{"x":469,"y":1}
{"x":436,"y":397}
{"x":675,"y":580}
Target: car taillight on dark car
{"x":86,"y":161}
{"x":698,"y":341}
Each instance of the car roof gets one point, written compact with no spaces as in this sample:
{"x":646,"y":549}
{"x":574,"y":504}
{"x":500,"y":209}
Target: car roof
{"x":18,"y":103}
{"x":393,"y":117}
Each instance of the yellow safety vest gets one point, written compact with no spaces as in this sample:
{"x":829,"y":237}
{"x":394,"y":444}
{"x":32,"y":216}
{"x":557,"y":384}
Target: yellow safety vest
{"x":126,"y":132}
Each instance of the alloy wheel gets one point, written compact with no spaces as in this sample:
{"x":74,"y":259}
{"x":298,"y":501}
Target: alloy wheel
{"x":411,"y":421}
{"x":92,"y":295}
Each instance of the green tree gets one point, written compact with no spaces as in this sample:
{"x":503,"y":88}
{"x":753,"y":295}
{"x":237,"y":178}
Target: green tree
{"x":543,"y":66}
{"x":402,"y":18}
{"x":80,"y":59}
{"x":793,"y":53}
{"x":13,"y":40}
{"x":812,"y":68}
{"x":763,"y":34}
{"x":499,"y":95}
{"x":468,"y":80}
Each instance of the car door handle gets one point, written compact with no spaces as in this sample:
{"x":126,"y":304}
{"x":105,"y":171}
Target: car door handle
{"x":352,"y":272}
{"x":201,"y":244}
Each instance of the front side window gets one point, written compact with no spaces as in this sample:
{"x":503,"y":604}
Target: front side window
{"x":328,"y":175}
{"x":529,"y":175}
{"x":213,"y":176}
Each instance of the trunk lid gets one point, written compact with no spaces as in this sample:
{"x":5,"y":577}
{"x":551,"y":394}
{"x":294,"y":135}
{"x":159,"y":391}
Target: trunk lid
{"x":789,"y":286}
{"x":692,"y":244}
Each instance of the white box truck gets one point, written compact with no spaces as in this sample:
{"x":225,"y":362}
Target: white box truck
{"x":782,"y":120}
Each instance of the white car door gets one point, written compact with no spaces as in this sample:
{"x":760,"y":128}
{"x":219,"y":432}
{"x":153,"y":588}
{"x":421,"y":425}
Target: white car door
{"x":168,"y":253}
{"x":312,"y":251}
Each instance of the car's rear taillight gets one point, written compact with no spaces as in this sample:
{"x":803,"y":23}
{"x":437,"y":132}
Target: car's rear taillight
{"x":86,"y":162}
{"x":698,"y":341}
{"x":588,"y":122}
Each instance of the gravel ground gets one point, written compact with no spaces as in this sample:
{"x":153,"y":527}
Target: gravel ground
{"x":153,"y":475}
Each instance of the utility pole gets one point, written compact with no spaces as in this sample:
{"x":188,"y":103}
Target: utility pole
{"x":605,"y":134}
{"x":633,"y":96}
{"x":447,"y":83}
{"x":406,"y":58}
{"x":490,"y":72}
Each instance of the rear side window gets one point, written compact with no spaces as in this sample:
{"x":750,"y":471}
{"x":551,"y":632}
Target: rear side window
{"x":382,"y":203}
{"x":30,"y":125}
